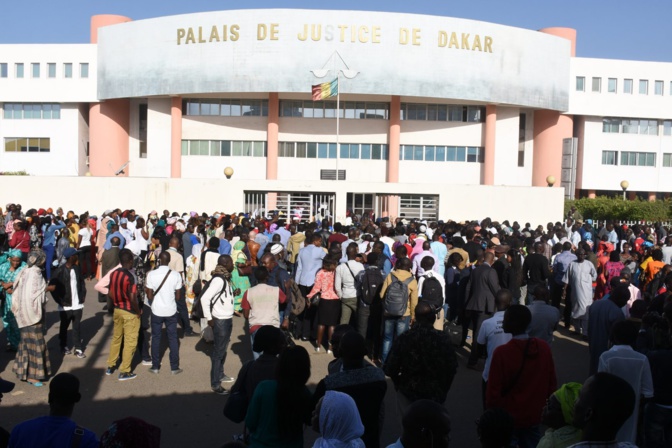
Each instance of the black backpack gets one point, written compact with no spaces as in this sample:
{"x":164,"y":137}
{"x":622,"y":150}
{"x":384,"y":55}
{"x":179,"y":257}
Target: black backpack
{"x":432,"y":293}
{"x":197,"y":307}
{"x":396,"y":297}
{"x":372,"y":280}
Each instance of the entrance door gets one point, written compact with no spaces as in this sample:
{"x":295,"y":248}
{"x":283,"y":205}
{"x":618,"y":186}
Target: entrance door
{"x":419,"y":207}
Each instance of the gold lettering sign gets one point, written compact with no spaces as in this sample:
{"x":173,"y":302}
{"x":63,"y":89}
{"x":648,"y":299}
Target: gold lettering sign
{"x":345,"y":33}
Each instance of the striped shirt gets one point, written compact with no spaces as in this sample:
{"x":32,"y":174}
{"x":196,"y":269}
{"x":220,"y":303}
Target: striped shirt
{"x":122,"y":285}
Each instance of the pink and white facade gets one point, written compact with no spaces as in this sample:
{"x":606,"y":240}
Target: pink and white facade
{"x":427,"y":104}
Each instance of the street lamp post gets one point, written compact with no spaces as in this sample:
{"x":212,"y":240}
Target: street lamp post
{"x":624,"y":185}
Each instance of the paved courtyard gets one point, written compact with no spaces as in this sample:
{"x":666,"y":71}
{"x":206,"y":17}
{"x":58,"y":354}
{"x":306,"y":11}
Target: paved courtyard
{"x":183,"y":406}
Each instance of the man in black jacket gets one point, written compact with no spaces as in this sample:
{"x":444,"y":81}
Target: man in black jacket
{"x":536,"y":270}
{"x":70,"y":294}
{"x":480,"y":302}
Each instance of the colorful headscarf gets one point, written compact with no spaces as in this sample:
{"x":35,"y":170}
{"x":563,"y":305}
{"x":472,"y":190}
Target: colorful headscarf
{"x":36,"y":257}
{"x":14,"y":253}
{"x":237,"y":253}
{"x":567,"y":396}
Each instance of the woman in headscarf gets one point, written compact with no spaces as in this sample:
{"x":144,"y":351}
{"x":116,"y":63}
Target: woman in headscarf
{"x":28,"y":298}
{"x":239,"y":281}
{"x":558,"y":415}
{"x":191,"y":274}
{"x":337,"y":420}
{"x":9,"y":270}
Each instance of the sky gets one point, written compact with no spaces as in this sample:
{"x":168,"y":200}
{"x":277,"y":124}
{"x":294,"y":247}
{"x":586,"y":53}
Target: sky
{"x":616,"y":29}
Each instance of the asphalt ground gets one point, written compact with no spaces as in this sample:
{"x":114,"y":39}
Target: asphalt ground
{"x":184,"y":407}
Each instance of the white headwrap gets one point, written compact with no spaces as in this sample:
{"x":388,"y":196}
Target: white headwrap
{"x":340,"y":424}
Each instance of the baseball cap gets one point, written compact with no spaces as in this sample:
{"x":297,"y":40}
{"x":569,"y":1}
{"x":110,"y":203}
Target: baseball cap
{"x":69,"y":252}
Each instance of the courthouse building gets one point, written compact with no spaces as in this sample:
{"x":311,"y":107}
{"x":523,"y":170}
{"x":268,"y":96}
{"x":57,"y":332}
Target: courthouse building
{"x":430,"y":108}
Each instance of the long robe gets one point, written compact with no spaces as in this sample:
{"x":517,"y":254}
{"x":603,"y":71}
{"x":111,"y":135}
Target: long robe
{"x":580,"y":277}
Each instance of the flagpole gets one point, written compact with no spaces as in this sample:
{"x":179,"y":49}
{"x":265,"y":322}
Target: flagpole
{"x":338,"y":120}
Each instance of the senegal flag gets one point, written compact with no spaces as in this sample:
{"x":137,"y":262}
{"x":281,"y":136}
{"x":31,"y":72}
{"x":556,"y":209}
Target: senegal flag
{"x":325,"y":90}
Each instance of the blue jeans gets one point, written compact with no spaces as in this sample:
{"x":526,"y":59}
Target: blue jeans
{"x":173,"y":345}
{"x":49,"y":252}
{"x":393,"y":327}
{"x":222,"y":332}
{"x":255,"y":355}
{"x":657,"y":426}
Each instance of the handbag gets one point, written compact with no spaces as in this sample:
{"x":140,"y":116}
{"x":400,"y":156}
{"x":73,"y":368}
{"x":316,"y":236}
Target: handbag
{"x":315,"y":300}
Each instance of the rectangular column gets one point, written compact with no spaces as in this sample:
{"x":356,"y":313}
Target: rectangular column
{"x":489,"y":156}
{"x":394,"y":138}
{"x":272,"y":132}
{"x":176,"y":137}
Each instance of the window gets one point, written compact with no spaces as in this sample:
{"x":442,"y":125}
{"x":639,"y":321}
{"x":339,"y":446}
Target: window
{"x":327,"y":109}
{"x":18,"y":111}
{"x":430,"y":153}
{"x":225,"y":108}
{"x":611,"y":125}
{"x":580,"y":83}
{"x":362,"y":151}
{"x":667,"y":160}
{"x":609,"y":157}
{"x":3,"y":70}
{"x":630,"y":126}
{"x":25,"y":144}
{"x":19,"y":70}
{"x":51,"y":70}
{"x":611,"y":85}
{"x":442,"y":112}
{"x":667,"y":127}
{"x":84,"y":70}
{"x":627,"y":86}
{"x":638,"y":158}
{"x":648,"y":127}
{"x":643,"y":87}
{"x":225,"y":148}
{"x":67,"y":70}
{"x":597,"y":84}
{"x":35,"y":69}
{"x":658,"y":88}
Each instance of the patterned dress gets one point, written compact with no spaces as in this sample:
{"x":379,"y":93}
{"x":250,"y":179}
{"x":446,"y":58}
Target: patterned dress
{"x":8,"y":319}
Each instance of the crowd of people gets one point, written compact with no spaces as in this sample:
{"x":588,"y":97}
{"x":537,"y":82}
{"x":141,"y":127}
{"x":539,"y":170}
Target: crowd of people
{"x":386,"y":298}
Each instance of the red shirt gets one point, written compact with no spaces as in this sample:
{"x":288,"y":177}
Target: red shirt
{"x":338,"y":237}
{"x":523,"y":396}
{"x":20,"y":240}
{"x":122,"y":285}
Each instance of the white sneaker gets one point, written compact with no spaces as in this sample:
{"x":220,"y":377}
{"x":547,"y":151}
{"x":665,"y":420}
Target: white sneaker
{"x":146,"y":363}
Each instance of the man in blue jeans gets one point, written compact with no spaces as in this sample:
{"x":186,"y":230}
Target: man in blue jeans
{"x":163,"y":287}
{"x":217,"y":301}
{"x":393,"y":326}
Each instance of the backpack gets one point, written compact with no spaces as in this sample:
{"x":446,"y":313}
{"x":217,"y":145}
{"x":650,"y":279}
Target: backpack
{"x":372,"y":280}
{"x":432,"y":292}
{"x":197,"y":307}
{"x":396,"y":297}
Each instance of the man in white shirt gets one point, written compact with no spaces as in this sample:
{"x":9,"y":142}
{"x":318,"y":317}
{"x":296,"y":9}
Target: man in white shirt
{"x":621,"y":360}
{"x":667,"y":251}
{"x":432,"y":297}
{"x":163,"y":287}
{"x":345,"y":283}
{"x":217,"y":301}
{"x":492,"y":333}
